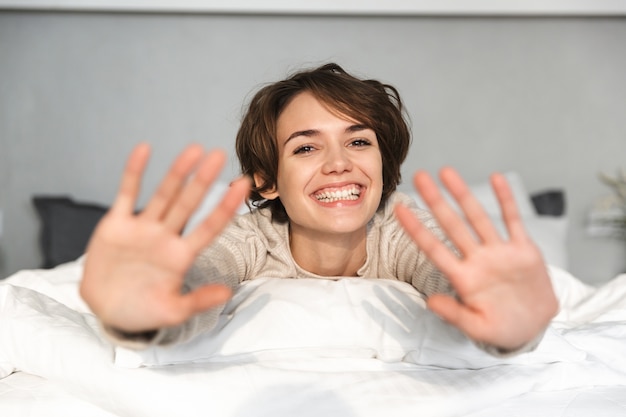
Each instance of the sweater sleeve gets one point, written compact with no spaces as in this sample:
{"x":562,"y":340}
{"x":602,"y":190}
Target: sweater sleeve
{"x":410,"y":263}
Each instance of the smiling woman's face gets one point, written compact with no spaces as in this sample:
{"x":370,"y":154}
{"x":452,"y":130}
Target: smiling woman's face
{"x":329,"y":170}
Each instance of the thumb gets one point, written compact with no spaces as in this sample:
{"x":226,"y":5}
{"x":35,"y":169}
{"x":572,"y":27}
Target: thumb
{"x":205,"y":298}
{"x":447,"y":308}
{"x":458,"y":315}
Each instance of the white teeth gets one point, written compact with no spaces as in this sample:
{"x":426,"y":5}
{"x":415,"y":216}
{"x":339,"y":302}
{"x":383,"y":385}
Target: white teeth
{"x":345,"y":194}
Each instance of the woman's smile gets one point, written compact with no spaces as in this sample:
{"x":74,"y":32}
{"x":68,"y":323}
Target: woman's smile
{"x":338,"y":195}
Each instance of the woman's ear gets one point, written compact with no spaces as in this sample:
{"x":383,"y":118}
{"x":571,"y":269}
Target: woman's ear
{"x":259,"y":182}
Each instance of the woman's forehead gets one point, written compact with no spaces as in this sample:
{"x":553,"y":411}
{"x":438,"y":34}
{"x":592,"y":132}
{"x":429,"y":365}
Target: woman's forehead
{"x":306,"y":105}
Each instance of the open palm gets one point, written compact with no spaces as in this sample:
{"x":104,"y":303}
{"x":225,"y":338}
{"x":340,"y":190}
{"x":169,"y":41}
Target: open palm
{"x":504,"y":294}
{"x":136,"y":263}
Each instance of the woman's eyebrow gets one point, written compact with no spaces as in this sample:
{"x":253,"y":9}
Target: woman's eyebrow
{"x":313,"y":132}
{"x":307,"y":133}
{"x":356,"y":128}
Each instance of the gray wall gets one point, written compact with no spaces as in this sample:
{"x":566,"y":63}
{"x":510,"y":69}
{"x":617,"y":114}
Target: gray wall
{"x":542,"y":96}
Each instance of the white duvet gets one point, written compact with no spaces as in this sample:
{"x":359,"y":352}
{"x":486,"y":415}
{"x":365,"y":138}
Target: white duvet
{"x":351,"y":347}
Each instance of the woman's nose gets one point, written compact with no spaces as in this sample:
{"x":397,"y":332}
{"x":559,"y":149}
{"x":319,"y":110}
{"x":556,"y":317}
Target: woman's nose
{"x":337,"y":161}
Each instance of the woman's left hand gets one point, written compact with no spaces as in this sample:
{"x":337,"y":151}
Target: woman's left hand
{"x":505,"y":296}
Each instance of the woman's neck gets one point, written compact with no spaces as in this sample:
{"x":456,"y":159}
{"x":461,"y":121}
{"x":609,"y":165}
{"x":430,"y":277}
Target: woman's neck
{"x":329,"y":255}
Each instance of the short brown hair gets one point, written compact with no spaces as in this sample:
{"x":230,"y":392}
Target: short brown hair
{"x":376,"y":105}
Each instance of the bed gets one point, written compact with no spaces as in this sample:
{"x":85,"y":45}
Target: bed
{"x":347,"y":347}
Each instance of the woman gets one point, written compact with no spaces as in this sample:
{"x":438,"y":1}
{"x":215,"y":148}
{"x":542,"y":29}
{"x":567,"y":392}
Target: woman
{"x":322,"y":152}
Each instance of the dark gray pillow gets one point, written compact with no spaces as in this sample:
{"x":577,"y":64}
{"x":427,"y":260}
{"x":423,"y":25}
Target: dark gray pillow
{"x":549,"y":202}
{"x":66,"y":226}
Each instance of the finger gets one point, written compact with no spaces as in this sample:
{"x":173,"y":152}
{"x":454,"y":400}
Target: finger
{"x":508,"y":206}
{"x":455,"y":313}
{"x":181,"y":308}
{"x":131,"y":179}
{"x":443,"y":258}
{"x":449,"y":220}
{"x":173,"y":182}
{"x":210,"y":227}
{"x":474,"y":212}
{"x":205,"y":298}
{"x":195,"y":190}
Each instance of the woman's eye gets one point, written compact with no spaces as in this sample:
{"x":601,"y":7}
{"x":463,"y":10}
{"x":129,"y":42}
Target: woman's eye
{"x":360,"y":143}
{"x":303,"y":149}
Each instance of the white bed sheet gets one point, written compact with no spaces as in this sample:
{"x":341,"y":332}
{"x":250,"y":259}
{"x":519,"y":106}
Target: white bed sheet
{"x":50,"y":338}
{"x":23,"y":394}
{"x":604,"y":401}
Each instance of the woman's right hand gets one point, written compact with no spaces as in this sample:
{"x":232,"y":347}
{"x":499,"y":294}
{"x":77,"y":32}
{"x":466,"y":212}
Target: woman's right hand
{"x":136,"y":263}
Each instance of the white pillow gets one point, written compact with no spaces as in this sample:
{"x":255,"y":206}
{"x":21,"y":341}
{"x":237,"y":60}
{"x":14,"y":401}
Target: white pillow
{"x":271,"y":318}
{"x":45,"y":337}
{"x":6,"y":369}
{"x":484,"y":193}
{"x":548,"y":232}
{"x":211,"y":199}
